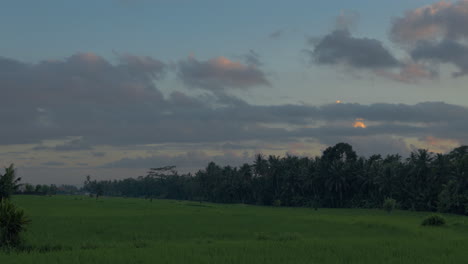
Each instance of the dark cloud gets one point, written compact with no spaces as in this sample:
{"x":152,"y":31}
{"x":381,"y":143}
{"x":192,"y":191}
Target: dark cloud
{"x":141,"y":65}
{"x":219,"y":74}
{"x":52,"y":164}
{"x":339,"y":47}
{"x":11,"y":153}
{"x":77,"y":144}
{"x":443,"y":52}
{"x":184,"y":119}
{"x":82,"y":78}
{"x":71,"y":97}
{"x":428,"y":112}
{"x":98,"y":154}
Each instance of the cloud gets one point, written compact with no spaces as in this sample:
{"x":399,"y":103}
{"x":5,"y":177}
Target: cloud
{"x":71,"y":97}
{"x":431,"y":35}
{"x":427,"y":112}
{"x":441,"y":145}
{"x":77,"y":144}
{"x":81,"y":78}
{"x":53,"y":164}
{"x":137,"y":65}
{"x":340,"y":47}
{"x":73,"y":145}
{"x":276,"y":34}
{"x":410,"y":73}
{"x":253,"y":58}
{"x":69,"y":106}
{"x":446,"y":51}
{"x":435,"y":34}
{"x":219,"y":74}
{"x":441,"y":20}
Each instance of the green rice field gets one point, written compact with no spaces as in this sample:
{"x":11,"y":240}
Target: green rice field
{"x":78,"y":229}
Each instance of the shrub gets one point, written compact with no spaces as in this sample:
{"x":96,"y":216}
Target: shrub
{"x":389,"y":205}
{"x":434,"y":220}
{"x":12,"y":223}
{"x":277,"y":203}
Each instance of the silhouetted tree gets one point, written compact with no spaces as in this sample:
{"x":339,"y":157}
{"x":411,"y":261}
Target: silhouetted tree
{"x":8,"y":183}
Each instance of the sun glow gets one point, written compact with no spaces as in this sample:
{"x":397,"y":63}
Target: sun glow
{"x":359,"y":123}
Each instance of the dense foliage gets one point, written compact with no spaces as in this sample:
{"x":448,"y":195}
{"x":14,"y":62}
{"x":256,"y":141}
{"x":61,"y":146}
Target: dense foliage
{"x":12,"y":222}
{"x":338,"y":179}
{"x":433,"y":220}
{"x":389,"y":205}
{"x":8,"y":183}
{"x":12,"y":219}
{"x":43,"y":189}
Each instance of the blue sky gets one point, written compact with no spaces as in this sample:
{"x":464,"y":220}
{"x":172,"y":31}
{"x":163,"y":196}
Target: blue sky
{"x":112,"y":87}
{"x":173,"y":29}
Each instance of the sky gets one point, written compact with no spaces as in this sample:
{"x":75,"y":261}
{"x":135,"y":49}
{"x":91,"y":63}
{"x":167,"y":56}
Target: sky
{"x":111,"y":88}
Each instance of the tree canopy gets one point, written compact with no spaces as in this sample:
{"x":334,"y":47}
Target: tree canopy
{"x":339,"y":179}
{"x":9,"y":183}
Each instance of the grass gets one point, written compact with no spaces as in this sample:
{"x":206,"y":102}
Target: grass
{"x":75,"y":229}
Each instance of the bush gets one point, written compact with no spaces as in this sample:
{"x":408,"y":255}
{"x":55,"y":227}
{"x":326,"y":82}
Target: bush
{"x":12,"y":223}
{"x":434,"y":220}
{"x":277,"y":203}
{"x":389,"y":205}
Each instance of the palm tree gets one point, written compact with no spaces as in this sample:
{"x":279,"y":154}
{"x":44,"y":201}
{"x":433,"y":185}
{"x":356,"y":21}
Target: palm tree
{"x":337,"y":181}
{"x":419,"y":176}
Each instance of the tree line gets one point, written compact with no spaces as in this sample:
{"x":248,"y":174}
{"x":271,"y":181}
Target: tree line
{"x":339,"y":178}
{"x":44,"y":189}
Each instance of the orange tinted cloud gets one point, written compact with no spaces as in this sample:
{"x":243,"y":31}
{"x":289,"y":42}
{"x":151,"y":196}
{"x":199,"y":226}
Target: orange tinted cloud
{"x":439,"y":141}
{"x":224,"y":63}
{"x":409,"y":73}
{"x":440,"y":144}
{"x":359,"y":123}
{"x":442,"y":19}
{"x":220,"y":73}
